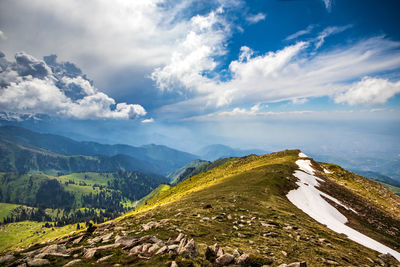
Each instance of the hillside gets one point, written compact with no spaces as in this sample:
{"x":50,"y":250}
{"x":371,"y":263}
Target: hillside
{"x":243,"y":206}
{"x":159,"y":159}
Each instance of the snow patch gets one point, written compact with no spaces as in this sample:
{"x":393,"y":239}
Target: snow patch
{"x":326,"y":171}
{"x":302,"y":155}
{"x":309,"y":199}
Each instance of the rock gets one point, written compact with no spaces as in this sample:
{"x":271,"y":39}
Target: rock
{"x":6,"y":258}
{"x":243,"y":260}
{"x":104,"y":258}
{"x":297,"y":264}
{"x":72,"y":263}
{"x":189,"y":250}
{"x":45,"y":255}
{"x":55,"y":248}
{"x":162,"y":250}
{"x":220,"y":252}
{"x":179,"y":238}
{"x":173,"y":264}
{"x":241,"y":235}
{"x":236,"y":253}
{"x":225,"y":259}
{"x":105,"y":225}
{"x":89,"y":253}
{"x":38,"y":262}
{"x":77,"y":240}
{"x":136,"y":250}
{"x":106,"y":238}
{"x":284,"y":253}
{"x":173,"y":247}
{"x":150,"y":225}
{"x":331,"y":262}
{"x":126,"y":241}
{"x":152,"y":249}
{"x":229,"y":217}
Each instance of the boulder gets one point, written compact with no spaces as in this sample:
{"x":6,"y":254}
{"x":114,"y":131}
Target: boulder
{"x":77,"y":240}
{"x":72,"y":262}
{"x":126,"y":241}
{"x":189,"y":250}
{"x":6,"y":258}
{"x":55,"y":248}
{"x":89,"y":253}
{"x":104,"y":258}
{"x":162,"y":250}
{"x":225,"y":259}
{"x":37,"y":262}
{"x":179,"y":238}
{"x":152,"y":249}
{"x":136,"y":250}
{"x":243,"y":260}
{"x":173,"y":264}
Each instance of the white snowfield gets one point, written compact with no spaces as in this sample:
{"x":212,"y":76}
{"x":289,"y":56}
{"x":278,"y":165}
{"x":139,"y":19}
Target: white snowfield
{"x":302,"y":155}
{"x":309,"y":199}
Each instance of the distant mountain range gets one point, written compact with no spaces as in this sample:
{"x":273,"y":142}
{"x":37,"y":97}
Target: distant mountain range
{"x":24,"y":150}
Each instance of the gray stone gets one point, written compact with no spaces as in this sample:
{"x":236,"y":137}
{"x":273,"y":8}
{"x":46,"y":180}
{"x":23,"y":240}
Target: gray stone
{"x":162,"y":250}
{"x":243,"y":260}
{"x":104,"y":258}
{"x":126,"y":241}
{"x":72,"y":263}
{"x":38,"y":262}
{"x":173,"y":247}
{"x":179,"y":238}
{"x":189,"y":250}
{"x":174,"y":264}
{"x":225,"y":259}
{"x":6,"y":258}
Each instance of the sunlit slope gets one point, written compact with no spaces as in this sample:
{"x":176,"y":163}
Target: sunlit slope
{"x":255,"y":187}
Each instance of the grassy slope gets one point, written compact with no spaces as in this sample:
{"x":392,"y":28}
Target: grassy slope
{"x":24,"y":234}
{"x":250,"y":187}
{"x":5,"y":210}
{"x":153,"y":194}
{"x":392,"y":188}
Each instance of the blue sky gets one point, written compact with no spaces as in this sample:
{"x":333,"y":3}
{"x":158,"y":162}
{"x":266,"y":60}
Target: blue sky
{"x":192,"y":73}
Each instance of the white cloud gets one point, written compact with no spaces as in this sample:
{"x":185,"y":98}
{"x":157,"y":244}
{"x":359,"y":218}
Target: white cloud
{"x":300,"y":33}
{"x":369,"y":91}
{"x":254,"y":18}
{"x":194,"y":55}
{"x":328,"y":4}
{"x":294,"y":72}
{"x":327,"y":32}
{"x":148,"y":120}
{"x":29,"y":86}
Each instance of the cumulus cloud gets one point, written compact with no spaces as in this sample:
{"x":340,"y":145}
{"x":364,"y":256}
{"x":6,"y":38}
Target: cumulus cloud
{"x":30,"y":86}
{"x":194,"y":56}
{"x":254,"y":18}
{"x":369,"y":91}
{"x":292,"y":73}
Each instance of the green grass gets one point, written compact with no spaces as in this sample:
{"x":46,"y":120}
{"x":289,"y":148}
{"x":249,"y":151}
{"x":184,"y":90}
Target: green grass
{"x":5,"y":210}
{"x":89,"y":178}
{"x":153,"y":194}
{"x":392,"y":188}
{"x":23,"y":234}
